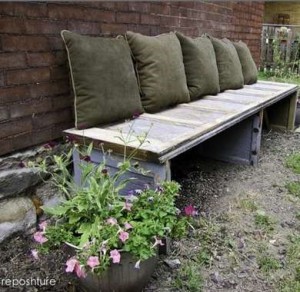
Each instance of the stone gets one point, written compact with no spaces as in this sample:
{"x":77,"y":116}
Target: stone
{"x":16,"y":214}
{"x":173,"y":264}
{"x":49,"y":195}
{"x":16,"y":181}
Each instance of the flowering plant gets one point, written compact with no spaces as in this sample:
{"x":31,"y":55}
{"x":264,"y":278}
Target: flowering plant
{"x":100,"y":224}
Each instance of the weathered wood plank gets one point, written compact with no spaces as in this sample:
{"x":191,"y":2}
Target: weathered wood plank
{"x":175,"y":130}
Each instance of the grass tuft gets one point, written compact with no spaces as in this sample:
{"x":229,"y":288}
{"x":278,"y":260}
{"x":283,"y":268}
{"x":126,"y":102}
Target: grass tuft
{"x":248,"y":205}
{"x":189,"y":278}
{"x":293,"y":162}
{"x":263,"y":221}
{"x":294,"y":188}
{"x":268,"y":264}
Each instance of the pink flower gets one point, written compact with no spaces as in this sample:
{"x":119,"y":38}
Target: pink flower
{"x":137,"y":264}
{"x":71,"y":263}
{"x":127,"y":206}
{"x":157,"y":242}
{"x":43,"y":225}
{"x":34,"y":253}
{"x":115,"y":256}
{"x":39,"y":237}
{"x":93,"y":262}
{"x":112,"y":221}
{"x":190,"y":210}
{"x":79,"y":271}
{"x":127,"y":226}
{"x":124,"y":236}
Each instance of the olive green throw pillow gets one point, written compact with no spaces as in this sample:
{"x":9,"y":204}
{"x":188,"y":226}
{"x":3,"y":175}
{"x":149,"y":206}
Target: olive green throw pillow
{"x":200,"y":66}
{"x":229,"y":65}
{"x":160,"y":70}
{"x":103,"y":79}
{"x":247,"y":62}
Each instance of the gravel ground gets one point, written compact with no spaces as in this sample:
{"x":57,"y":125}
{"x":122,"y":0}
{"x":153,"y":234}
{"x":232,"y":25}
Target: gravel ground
{"x":225,"y":250}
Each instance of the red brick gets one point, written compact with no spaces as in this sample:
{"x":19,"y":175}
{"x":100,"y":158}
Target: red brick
{"x":187,"y":4}
{"x":5,"y":146}
{"x":127,"y":17}
{"x":188,"y":22}
{"x":23,"y":9}
{"x":12,"y":60}
{"x":113,"y":29}
{"x":41,"y":59}
{"x":150,"y":19}
{"x":11,"y":25}
{"x":141,"y":7}
{"x":25,"y":43}
{"x":143,"y":29}
{"x":49,"y":89}
{"x":30,"y":108}
{"x":169,"y":21}
{"x":83,"y":27}
{"x":4,"y":113}
{"x":60,"y":72}
{"x":34,"y":26}
{"x":2,"y":81}
{"x":50,"y":118}
{"x":70,"y":12}
{"x":12,"y":94}
{"x":14,"y":127}
{"x":27,"y":76}
{"x":160,"y":8}
{"x":56,"y":43}
{"x":61,"y":102}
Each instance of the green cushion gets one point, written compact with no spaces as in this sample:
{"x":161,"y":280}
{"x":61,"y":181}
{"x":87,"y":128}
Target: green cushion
{"x":103,"y":79}
{"x":200,"y":66}
{"x":160,"y":70}
{"x":247,"y":62}
{"x":229,"y":65}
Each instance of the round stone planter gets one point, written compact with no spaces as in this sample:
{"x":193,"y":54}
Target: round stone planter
{"x":123,"y":277}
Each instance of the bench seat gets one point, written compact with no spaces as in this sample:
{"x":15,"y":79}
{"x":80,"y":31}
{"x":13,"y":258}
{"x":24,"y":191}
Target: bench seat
{"x":236,"y":114}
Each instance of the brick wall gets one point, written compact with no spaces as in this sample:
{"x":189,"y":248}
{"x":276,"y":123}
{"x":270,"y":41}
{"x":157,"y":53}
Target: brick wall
{"x":35,"y":97}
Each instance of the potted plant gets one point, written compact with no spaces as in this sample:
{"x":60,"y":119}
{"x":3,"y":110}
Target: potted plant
{"x":114,"y":238}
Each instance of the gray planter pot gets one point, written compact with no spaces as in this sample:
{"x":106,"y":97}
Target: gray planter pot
{"x":123,"y":277}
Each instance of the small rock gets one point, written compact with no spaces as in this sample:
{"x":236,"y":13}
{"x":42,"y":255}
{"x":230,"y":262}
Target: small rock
{"x":241,"y":243}
{"x":282,"y":251}
{"x":215,"y":277}
{"x":173,"y":264}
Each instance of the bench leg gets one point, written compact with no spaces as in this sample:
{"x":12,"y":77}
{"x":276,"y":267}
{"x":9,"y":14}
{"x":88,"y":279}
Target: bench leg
{"x":238,"y":144}
{"x":282,"y":115}
{"x":155,"y":172}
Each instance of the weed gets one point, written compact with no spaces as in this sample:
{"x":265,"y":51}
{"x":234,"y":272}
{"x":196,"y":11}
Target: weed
{"x":293,"y":252}
{"x":293,"y":162}
{"x":289,"y":285}
{"x":294,"y":188}
{"x":298,"y":216}
{"x":263,"y":221}
{"x":189,"y":278}
{"x":204,"y":257}
{"x":248,"y":205}
{"x":268,"y":264}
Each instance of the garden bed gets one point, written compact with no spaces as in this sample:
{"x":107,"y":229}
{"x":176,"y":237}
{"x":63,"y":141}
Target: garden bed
{"x":245,"y":213}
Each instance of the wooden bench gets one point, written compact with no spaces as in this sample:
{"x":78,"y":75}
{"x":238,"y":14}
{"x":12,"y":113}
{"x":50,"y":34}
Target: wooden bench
{"x":227,"y":126}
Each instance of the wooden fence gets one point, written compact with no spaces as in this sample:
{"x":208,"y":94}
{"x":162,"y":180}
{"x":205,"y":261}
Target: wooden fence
{"x":280,"y":44}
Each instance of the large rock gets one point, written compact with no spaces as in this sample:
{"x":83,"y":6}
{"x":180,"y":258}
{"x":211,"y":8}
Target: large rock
{"x":49,"y":195}
{"x":16,"y":181}
{"x":17,"y":214}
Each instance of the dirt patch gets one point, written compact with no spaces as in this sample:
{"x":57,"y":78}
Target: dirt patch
{"x":241,"y":239}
